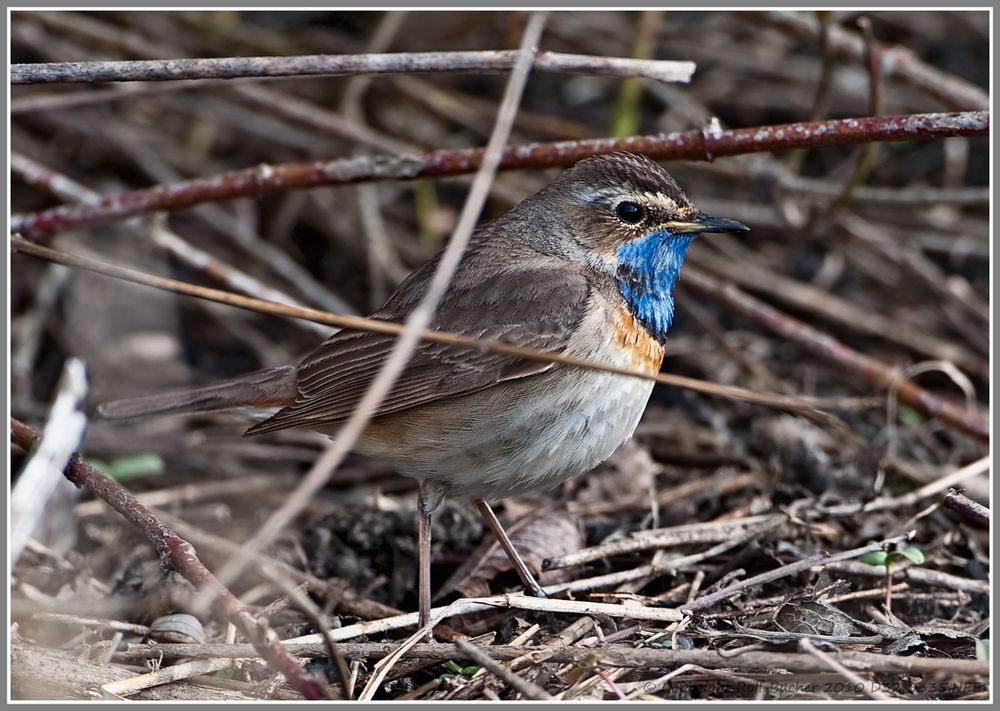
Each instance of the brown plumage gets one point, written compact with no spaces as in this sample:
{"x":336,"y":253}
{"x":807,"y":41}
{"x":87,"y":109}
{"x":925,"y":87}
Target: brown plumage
{"x":508,"y":305}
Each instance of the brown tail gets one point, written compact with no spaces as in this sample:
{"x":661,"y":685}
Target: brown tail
{"x":262,"y":388}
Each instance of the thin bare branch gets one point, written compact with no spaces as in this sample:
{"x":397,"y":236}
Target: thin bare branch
{"x":687,"y":145}
{"x":481,"y":62}
{"x":920,"y":195}
{"x":970,"y":510}
{"x":980,"y":466}
{"x":710,"y":532}
{"x":163,"y":675}
{"x":62,"y":100}
{"x":464,"y":606}
{"x":914,"y":574}
{"x":518,"y":684}
{"x":618,"y":655}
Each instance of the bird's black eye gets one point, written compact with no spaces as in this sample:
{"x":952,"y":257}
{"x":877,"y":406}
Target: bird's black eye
{"x":629,"y":212}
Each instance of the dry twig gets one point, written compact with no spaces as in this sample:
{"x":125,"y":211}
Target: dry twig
{"x":970,"y":510}
{"x":748,"y":659}
{"x":518,"y":684}
{"x":483,"y":62}
{"x":688,"y":145}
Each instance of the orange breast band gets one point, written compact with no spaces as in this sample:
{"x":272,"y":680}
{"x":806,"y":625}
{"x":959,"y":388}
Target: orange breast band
{"x":630,"y":335}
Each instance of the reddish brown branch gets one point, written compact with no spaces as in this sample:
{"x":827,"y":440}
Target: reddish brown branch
{"x":687,"y":145}
{"x":179,"y":555}
{"x":833,"y":351}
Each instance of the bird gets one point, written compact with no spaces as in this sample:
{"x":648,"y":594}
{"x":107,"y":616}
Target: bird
{"x":586,"y":267}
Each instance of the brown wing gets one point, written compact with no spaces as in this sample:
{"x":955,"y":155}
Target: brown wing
{"x":535,"y":303}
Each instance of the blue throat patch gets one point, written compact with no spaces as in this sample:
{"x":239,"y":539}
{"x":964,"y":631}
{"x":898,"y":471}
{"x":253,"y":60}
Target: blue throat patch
{"x":648,"y":268}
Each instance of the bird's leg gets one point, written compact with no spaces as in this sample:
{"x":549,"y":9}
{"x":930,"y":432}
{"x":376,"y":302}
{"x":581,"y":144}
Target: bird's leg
{"x":428,"y":499}
{"x":504,"y":540}
{"x":424,"y":577}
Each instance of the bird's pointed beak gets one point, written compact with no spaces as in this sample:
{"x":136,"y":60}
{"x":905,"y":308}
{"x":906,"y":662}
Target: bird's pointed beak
{"x":705,"y":223}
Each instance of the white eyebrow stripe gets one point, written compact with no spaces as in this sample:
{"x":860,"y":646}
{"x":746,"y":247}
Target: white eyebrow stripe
{"x":593,"y":194}
{"x":662,"y":200}
{"x":612,"y":196}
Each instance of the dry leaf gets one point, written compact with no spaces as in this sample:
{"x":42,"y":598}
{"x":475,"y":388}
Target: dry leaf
{"x":536,"y":537}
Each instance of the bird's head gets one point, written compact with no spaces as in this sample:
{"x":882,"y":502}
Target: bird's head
{"x":621,"y":200}
{"x":633,"y":223}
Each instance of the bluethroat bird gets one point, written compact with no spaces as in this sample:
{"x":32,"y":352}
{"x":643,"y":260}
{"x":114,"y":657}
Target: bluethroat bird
{"x":586,"y":267}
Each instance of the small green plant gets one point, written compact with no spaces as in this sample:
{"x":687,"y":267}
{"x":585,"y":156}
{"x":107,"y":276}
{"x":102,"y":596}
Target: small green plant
{"x":131,"y":467}
{"x":456,"y":668}
{"x":887,"y":558}
{"x":909,"y":416}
